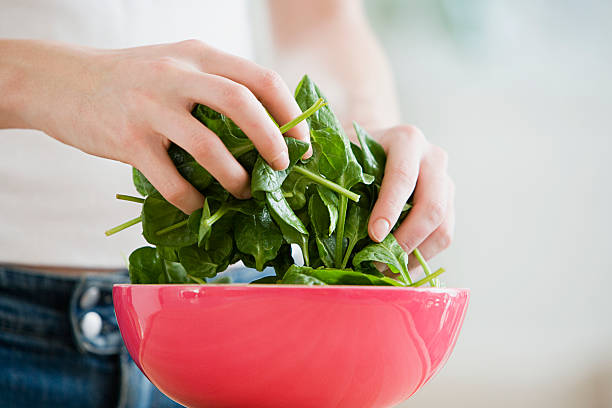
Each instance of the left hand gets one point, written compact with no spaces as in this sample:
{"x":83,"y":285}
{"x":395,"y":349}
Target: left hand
{"x":414,"y":165}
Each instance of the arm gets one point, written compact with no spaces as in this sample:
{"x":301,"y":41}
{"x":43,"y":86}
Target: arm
{"x":331,"y":40}
{"x":130,"y":104}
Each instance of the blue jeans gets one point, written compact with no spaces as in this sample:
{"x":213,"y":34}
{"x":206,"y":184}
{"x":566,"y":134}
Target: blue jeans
{"x":60,"y":345}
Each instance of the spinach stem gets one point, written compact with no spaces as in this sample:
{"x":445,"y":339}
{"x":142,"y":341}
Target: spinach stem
{"x":210,"y":220}
{"x":405,"y":277}
{"x":286,"y":127}
{"x":424,"y":264}
{"x":428,"y":278}
{"x":123,"y":226}
{"x":340,"y":231}
{"x":347,"y":255}
{"x":422,"y":261}
{"x":125,"y":197}
{"x":327,"y":183}
{"x":217,"y":215}
{"x":237,"y":152}
{"x":307,"y":113}
{"x":196,"y":279}
{"x":305,"y":254}
{"x":172,"y":227}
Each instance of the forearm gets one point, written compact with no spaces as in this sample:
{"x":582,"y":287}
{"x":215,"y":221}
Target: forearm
{"x":36,"y":77}
{"x":332,"y":42}
{"x":12,"y":81}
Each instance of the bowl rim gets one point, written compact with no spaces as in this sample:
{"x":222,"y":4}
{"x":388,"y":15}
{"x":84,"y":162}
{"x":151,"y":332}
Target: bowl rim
{"x":303,"y":287}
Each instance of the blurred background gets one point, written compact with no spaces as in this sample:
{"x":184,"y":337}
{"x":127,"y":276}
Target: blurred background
{"x":520,"y":95}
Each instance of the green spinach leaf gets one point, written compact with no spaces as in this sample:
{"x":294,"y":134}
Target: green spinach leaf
{"x":334,"y":277}
{"x":145,"y":266}
{"x":330,"y":152}
{"x":258,"y":236}
{"x":388,"y":252}
{"x":158,"y":214}
{"x":231,"y":135}
{"x":189,"y":168}
{"x":373,"y":154}
{"x":356,"y":228}
{"x":330,"y":199}
{"x":292,"y":228}
{"x":143,"y":186}
{"x":197,"y":262}
{"x":266,"y":179}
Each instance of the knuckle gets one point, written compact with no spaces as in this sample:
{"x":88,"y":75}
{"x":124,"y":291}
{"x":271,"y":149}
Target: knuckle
{"x":391,"y":202}
{"x":410,"y":133}
{"x":162,"y":65}
{"x":197,"y":49}
{"x":435,"y":212}
{"x":236,"y":96}
{"x":405,"y":172}
{"x":270,"y":80}
{"x":415,"y":236}
{"x":193,"y":44}
{"x":445,"y":238}
{"x":407,"y":244}
{"x":440,"y":154}
{"x":176,"y":192}
{"x":201,"y":149}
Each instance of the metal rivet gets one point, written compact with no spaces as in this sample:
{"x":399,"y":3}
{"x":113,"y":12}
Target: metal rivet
{"x":90,"y":297}
{"x":91,"y":325}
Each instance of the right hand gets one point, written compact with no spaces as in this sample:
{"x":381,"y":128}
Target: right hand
{"x":129,"y":104}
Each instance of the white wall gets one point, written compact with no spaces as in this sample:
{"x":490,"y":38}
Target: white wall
{"x":520,"y":95}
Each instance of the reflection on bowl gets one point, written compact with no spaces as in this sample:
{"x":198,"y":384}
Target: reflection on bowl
{"x":288,"y":346}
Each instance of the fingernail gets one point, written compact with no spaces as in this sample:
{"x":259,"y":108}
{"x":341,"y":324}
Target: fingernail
{"x":380,"y":229}
{"x":308,"y":153}
{"x":281,"y":162}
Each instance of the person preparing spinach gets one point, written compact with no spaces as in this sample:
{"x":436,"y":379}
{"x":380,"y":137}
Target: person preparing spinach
{"x":112,"y":97}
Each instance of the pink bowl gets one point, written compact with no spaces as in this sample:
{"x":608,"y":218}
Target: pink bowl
{"x":288,"y":346}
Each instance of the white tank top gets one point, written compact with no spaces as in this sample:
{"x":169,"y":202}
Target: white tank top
{"x":55,"y":201}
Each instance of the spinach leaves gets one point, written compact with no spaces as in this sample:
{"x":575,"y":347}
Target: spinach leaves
{"x":321,"y":204}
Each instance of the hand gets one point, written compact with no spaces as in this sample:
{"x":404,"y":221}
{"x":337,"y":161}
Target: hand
{"x":414,"y":165}
{"x":128,"y":105}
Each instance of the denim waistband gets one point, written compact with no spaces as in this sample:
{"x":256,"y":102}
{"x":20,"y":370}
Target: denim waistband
{"x":64,"y":311}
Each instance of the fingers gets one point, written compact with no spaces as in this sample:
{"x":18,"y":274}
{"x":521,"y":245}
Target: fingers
{"x":430,"y":201}
{"x":237,"y":102}
{"x":441,"y":238}
{"x":404,"y":151}
{"x":161,"y":172}
{"x":208,"y":150}
{"x":268,"y":87}
{"x":265,"y":84}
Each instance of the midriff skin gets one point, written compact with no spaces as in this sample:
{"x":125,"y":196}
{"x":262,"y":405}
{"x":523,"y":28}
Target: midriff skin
{"x":62,"y":270}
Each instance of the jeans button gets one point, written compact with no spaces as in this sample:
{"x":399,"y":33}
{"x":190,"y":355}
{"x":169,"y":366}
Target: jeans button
{"x":90,"y":297}
{"x":91,"y":325}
